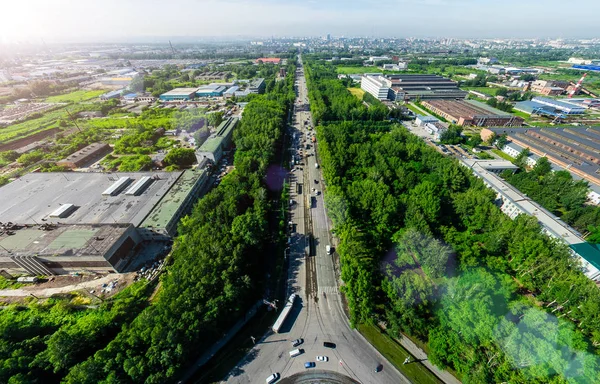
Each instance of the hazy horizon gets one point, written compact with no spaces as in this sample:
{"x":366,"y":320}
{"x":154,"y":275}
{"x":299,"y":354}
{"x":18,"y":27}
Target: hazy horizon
{"x":133,"y":20}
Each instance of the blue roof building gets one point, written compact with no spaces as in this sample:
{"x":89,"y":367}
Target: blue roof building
{"x":589,"y":67}
{"x":211,"y":90}
{"x":569,"y":109}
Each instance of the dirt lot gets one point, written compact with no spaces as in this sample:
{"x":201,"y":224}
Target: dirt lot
{"x":98,"y":285}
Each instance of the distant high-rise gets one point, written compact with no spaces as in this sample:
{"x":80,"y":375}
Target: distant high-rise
{"x":328,"y":37}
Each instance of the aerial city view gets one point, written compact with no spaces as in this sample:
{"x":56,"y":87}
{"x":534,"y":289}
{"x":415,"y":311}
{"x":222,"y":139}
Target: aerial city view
{"x":266,"y":191}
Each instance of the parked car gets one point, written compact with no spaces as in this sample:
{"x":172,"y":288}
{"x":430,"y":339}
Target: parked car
{"x":297,"y":342}
{"x":309,"y":364}
{"x":328,"y":344}
{"x":379,"y":368}
{"x":322,"y":358}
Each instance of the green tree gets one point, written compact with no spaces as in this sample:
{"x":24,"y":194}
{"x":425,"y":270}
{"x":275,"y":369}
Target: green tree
{"x":181,"y":157}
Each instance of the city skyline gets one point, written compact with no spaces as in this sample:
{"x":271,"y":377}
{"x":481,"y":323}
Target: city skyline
{"x":87,"y":21}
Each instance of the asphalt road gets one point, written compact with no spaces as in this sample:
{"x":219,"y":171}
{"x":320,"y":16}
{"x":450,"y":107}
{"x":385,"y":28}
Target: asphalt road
{"x":317,"y":315}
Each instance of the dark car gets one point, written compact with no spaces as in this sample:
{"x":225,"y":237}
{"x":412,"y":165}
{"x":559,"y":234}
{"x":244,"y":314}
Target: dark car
{"x":327,"y":344}
{"x":379,"y":368}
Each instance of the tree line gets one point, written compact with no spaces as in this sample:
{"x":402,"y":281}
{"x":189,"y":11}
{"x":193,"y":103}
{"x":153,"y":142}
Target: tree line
{"x":425,"y":251}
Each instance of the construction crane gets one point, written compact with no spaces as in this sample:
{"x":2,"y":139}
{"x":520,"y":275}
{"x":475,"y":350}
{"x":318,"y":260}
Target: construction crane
{"x":172,"y":49}
{"x":577,"y":86}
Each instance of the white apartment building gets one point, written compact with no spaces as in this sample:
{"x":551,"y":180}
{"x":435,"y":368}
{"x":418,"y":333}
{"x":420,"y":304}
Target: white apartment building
{"x":377,"y":85}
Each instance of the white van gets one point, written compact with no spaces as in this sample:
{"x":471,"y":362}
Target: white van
{"x":273,"y":378}
{"x":295,"y":352}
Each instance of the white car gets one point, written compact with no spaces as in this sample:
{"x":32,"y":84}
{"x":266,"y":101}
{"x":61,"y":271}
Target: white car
{"x":322,"y":358}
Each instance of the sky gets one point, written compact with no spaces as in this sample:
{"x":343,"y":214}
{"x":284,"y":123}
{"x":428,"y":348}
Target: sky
{"x":128,"y":20}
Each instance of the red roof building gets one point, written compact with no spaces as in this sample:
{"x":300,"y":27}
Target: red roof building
{"x":271,"y":60}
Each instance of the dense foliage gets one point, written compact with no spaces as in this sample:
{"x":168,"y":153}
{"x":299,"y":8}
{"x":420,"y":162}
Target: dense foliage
{"x":424,"y":249}
{"x":41,"y":342}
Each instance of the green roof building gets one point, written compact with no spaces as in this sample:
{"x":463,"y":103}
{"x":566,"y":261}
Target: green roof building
{"x":217,"y":143}
{"x":176,"y":203}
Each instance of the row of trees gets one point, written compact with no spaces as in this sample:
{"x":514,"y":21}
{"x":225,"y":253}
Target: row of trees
{"x":425,"y":250}
{"x":330,"y":100}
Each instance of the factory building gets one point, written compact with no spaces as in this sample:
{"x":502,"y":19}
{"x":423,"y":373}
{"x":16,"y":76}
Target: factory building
{"x":211,"y":90}
{"x":231,"y":91}
{"x":412,"y":86}
{"x":268,"y":60}
{"x":257,"y":86}
{"x":566,"y":108}
{"x":471,"y":113}
{"x":85,"y":156}
{"x":513,"y":203}
{"x":179,"y":94}
{"x":112,"y":95}
{"x":574,"y":149}
{"x":549,"y":87}
{"x":214,"y":147}
{"x":56,"y":223}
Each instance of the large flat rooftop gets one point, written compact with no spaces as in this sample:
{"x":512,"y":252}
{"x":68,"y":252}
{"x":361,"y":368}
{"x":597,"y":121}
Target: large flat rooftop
{"x":33,"y":197}
{"x":61,"y":240}
{"x":170,"y":203}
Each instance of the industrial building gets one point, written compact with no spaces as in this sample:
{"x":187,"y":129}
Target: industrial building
{"x":58,"y":223}
{"x":257,"y":86}
{"x":231,"y":91}
{"x":211,"y":90}
{"x":576,"y":149}
{"x":593,"y":68}
{"x":217,"y":143}
{"x":268,"y":60}
{"x":376,"y":85}
{"x":86,"y":156}
{"x":112,"y":95}
{"x":179,"y":94}
{"x":513,"y":203}
{"x":471,"y":113}
{"x":564,"y":107}
{"x":402,"y":87}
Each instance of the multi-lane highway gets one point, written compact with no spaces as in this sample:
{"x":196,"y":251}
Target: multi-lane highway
{"x":317,"y":316}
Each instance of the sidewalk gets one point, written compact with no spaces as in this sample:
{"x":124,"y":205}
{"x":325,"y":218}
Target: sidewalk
{"x":417,"y":352}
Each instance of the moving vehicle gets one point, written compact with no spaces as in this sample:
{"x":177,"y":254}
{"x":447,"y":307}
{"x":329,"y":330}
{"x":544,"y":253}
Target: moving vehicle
{"x":328,"y":344}
{"x":273,"y":378}
{"x":379,"y":368}
{"x":322,"y":358}
{"x":296,"y":352}
{"x":316,"y":181}
{"x":316,"y":166}
{"x":328,"y":249}
{"x":309,"y":364}
{"x":297,"y":342}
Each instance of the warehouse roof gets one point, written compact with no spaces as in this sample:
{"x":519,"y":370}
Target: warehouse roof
{"x":84,"y":153}
{"x":172,"y":200}
{"x":212,"y":143}
{"x":61,"y":240}
{"x":180,"y":92}
{"x":33,"y":197}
